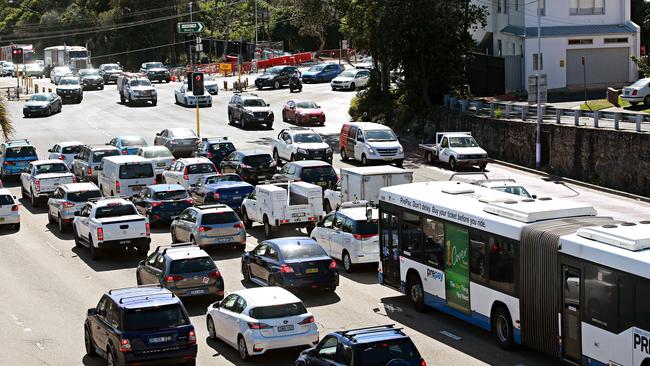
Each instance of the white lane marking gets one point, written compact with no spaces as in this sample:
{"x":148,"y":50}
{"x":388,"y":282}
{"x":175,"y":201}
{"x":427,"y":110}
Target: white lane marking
{"x":451,"y":335}
{"x":40,"y":345}
{"x":55,"y":249}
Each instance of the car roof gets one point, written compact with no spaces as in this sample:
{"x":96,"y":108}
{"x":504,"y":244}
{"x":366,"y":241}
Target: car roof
{"x":216,"y":208}
{"x":292,"y":240}
{"x":217,"y":139}
{"x":47,"y":161}
{"x":185,"y":252}
{"x":142,"y":297}
{"x":358,"y":213}
{"x":102,"y":147}
{"x":375,"y":336}
{"x":127,"y":159}
{"x":78,"y":187}
{"x":13,"y":143}
{"x":69,"y":143}
{"x":179,"y":129}
{"x":199,"y":160}
{"x":297,"y":130}
{"x":109,"y":201}
{"x":267,"y":296}
{"x":5,"y":192}
{"x":166,"y":187}
{"x":128,"y":137}
{"x":250,"y":96}
{"x":369,"y":126}
{"x":152,"y":148}
{"x":310,"y":163}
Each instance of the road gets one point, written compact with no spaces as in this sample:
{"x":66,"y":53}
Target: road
{"x":48,"y":284}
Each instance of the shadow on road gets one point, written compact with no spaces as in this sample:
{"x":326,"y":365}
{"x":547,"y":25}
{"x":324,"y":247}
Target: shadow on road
{"x":365,"y":274}
{"x":275,"y":357}
{"x":111,"y":260}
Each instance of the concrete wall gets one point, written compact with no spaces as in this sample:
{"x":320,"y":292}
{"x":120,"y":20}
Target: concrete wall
{"x":609,"y":158}
{"x":558,"y":14}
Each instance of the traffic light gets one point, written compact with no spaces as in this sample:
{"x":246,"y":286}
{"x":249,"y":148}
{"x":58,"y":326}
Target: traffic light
{"x":197,"y":83}
{"x":17,"y":55}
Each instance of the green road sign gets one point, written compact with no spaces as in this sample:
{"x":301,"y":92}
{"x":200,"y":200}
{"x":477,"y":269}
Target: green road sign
{"x":190,"y":27}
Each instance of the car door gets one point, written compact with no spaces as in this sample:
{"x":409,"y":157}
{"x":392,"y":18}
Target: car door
{"x":84,"y":219}
{"x":270,"y":260}
{"x":145,"y":270}
{"x":98,"y":327}
{"x":139,"y":200}
{"x":329,"y":72}
{"x":54,"y":152}
{"x":345,"y":239}
{"x":323,"y":232}
{"x":444,"y":150}
{"x":361,"y":78}
{"x":182,"y":226}
{"x":233,"y":319}
{"x":336,"y":236}
{"x":223,"y":317}
{"x":54,"y":204}
{"x":287,"y":146}
{"x":360,"y":143}
{"x":291,"y":112}
{"x":252,"y":207}
{"x":326,"y":352}
{"x":25,"y":176}
{"x":351,"y":141}
{"x":257,"y":262}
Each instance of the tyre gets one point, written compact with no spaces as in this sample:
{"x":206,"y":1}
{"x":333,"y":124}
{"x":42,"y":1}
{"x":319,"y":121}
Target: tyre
{"x":230,"y":120}
{"x":17,"y":227}
{"x":60,"y":107}
{"x":95,"y":253}
{"x":90,"y":345}
{"x":399,"y":163}
{"x":101,"y":87}
{"x":248,"y":223}
{"x":143,"y":250}
{"x":110,"y":358}
{"x":211,"y":331}
{"x":364,"y":160}
{"x":482,"y":165}
{"x":276,"y":85}
{"x":245,"y":271}
{"x":243,"y":350}
{"x":122,"y":99}
{"x":634,"y":104}
{"x":293,"y":158}
{"x":173,"y":232}
{"x":50,"y":220}
{"x":154,"y":103}
{"x":243,"y":123}
{"x":344,"y":155}
{"x":646,"y":101}
{"x":502,"y":328}
{"x":49,"y":111}
{"x":61,"y":225}
{"x":452,"y":163}
{"x":429,"y":157}
{"x":33,"y":198}
{"x":416,"y":293}
{"x":77,"y":241}
{"x":241,"y":247}
{"x":269,"y":126}
{"x":347,"y":262}
{"x":353,"y":87}
{"x":276,"y":156}
{"x":284,"y":117}
{"x":268,"y":230}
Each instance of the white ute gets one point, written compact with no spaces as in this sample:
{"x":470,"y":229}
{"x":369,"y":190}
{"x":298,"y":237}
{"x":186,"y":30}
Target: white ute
{"x":111,"y":223}
{"x":293,"y":203}
{"x":455,"y":149}
{"x":40,"y":178}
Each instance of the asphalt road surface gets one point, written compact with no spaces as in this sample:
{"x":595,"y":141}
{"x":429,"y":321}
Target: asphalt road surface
{"x":48,"y":284}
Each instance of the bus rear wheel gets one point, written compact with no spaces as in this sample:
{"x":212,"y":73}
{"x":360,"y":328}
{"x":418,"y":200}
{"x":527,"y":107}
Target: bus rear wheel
{"x":502,"y":328}
{"x":416,"y":293}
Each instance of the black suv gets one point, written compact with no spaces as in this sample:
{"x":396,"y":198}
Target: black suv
{"x":276,"y":77}
{"x":252,"y":167}
{"x":214,"y":149}
{"x":143,"y":325}
{"x":155,"y":71}
{"x":249,"y":109}
{"x":380,"y":345}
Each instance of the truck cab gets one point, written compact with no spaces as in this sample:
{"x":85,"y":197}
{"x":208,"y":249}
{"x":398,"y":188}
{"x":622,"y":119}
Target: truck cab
{"x":456,"y":149}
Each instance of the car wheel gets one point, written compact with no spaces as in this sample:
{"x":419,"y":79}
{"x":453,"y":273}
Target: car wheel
{"x":452,"y":163}
{"x":646,"y":100}
{"x":101,"y":87}
{"x":60,"y":107}
{"x":344,"y":155}
{"x":143,"y":250}
{"x":138,"y":280}
{"x":347,"y":262}
{"x":95,"y":253}
{"x":272,"y":282}
{"x":268,"y":230}
{"x":173,"y":231}
{"x":364,"y":160}
{"x":416,"y":294}
{"x":399,"y":163}
{"x":429,"y":157}
{"x":61,"y":224}
{"x":247,"y":222}
{"x":50,"y":220}
{"x":243,"y":351}
{"x":245,"y":272}
{"x":122,"y":99}
{"x":192,"y":241}
{"x":502,"y":328}
{"x":284,"y":117}
{"x":482,"y":165}
{"x":49,"y":111}
{"x":17,"y":227}
{"x":353,"y":87}
{"x":154,"y":103}
{"x":269,"y":126}
{"x":77,"y":241}
{"x":276,"y":85}
{"x":276,"y":156}
{"x":33,"y":199}
{"x":88,"y":342}
{"x":230,"y":120}
{"x":243,"y":122}
{"x":110,"y":358}
{"x":211,"y":331}
{"x":293,"y":158}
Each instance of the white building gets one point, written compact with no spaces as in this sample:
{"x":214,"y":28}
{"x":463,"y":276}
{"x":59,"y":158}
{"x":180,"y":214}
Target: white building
{"x":600,"y":31}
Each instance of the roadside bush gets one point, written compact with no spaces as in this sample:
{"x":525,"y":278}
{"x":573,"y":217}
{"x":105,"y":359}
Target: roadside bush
{"x":5,"y":123}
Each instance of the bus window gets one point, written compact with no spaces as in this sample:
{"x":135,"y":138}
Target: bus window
{"x":643,"y":304}
{"x":477,"y":258}
{"x":433,"y":251}
{"x":411,"y":234}
{"x":626,"y":302}
{"x":601,"y":297}
{"x":502,"y":265}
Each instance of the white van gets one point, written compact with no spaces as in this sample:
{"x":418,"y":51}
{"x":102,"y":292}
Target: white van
{"x":370,"y":142}
{"x":125,"y":175}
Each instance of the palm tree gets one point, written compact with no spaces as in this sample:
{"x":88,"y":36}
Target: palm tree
{"x":5,"y":123}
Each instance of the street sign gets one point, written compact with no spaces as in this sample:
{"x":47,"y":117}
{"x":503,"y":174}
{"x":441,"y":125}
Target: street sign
{"x":190,"y":27}
{"x":199,"y":47}
{"x":225,"y":68}
{"x":344,"y":44}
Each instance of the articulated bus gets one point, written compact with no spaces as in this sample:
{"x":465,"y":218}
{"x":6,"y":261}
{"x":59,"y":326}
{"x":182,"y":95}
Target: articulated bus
{"x":543,"y":273}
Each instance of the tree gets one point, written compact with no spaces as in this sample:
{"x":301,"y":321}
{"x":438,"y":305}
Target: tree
{"x":5,"y":122}
{"x":313,"y":17}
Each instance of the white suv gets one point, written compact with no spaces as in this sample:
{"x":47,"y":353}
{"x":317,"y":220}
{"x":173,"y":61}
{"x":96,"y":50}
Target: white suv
{"x":300,"y":143}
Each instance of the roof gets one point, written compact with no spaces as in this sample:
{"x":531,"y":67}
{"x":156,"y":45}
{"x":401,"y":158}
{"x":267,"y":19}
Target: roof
{"x":185,"y":252}
{"x":369,"y":125}
{"x":212,"y":208}
{"x":152,"y":148}
{"x":142,"y":297}
{"x":370,"y":170}
{"x":571,"y":30}
{"x":373,"y":334}
{"x":129,"y":137}
{"x":102,"y":147}
{"x":216,"y":139}
{"x":358,"y":213}
{"x":267,"y":296}
{"x":48,"y":161}
{"x":310,"y":163}
{"x":5,"y":192}
{"x":18,"y":142}
{"x":108,"y":201}
{"x":181,"y":129}
{"x":249,"y":152}
{"x":292,"y":240}
{"x":166,"y":187}
{"x":70,"y":143}
{"x":78,"y":187}
{"x":199,"y":160}
{"x":126,"y":159}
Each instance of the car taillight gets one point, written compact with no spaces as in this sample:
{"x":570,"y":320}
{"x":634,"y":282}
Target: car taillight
{"x":100,"y":234}
{"x":363,"y":236}
{"x":61,"y":157}
{"x":308,"y":320}
{"x":189,"y":201}
{"x":37,"y":184}
{"x":245,"y":166}
{"x":259,"y":326}
{"x":89,"y":172}
{"x":191,"y":337}
{"x":14,"y":208}
{"x":634,"y":92}
{"x":210,"y":155}
{"x":286,"y":269}
{"x":147,"y":228}
{"x":186,"y":176}
{"x":155,"y":204}
{"x":423,"y":362}
{"x":68,"y":204}
{"x":203,"y":229}
{"x":155,"y":181}
{"x":214,"y":274}
{"x":332,"y":265}
{"x":239,"y":225}
{"x":125,"y":151}
{"x":169,"y":279}
{"x":125,"y":345}
{"x":216,"y":196}
{"x":117,"y":186}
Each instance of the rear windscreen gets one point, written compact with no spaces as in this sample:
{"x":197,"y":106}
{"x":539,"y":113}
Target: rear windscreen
{"x":278,"y":311}
{"x":159,"y":317}
{"x":51,"y":168}
{"x":380,"y":353}
{"x":200,"y":168}
{"x":364,"y":227}
{"x":99,"y":155}
{"x":171,"y":195}
{"x":83,"y":196}
{"x":302,"y":251}
{"x":317,"y":172}
{"x":227,"y":217}
{"x":71,"y":150}
{"x":114,"y":211}
{"x":6,"y":200}
{"x":192,"y":265}
{"x":158,"y":153}
{"x":134,"y":141}
{"x":257,"y":160}
{"x":136,"y":171}
{"x":20,"y":152}
{"x":222,"y":148}
{"x":223,"y":178}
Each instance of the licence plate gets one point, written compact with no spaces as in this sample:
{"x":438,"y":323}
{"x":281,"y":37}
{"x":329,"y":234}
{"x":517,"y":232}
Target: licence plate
{"x":196,"y":292}
{"x":136,"y":188}
{"x":322,"y":184}
{"x":285,"y":328}
{"x":388,"y":159}
{"x":223,"y":239}
{"x":237,"y":197}
{"x":311,"y":270}
{"x":160,"y":339}
{"x":161,"y":164}
{"x":125,"y":241}
{"x":298,"y":214}
{"x":260,"y":119}
{"x":261,"y":177}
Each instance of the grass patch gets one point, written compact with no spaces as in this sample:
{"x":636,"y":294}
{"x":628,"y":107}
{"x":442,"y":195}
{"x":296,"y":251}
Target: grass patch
{"x":599,"y":104}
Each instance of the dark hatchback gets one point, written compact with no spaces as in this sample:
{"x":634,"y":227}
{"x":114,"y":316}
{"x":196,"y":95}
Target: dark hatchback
{"x":215,"y":149}
{"x":250,"y":166}
{"x":293,"y":262}
{"x":140,"y":325}
{"x":228,"y":189}
{"x":162,"y":202}
{"x":311,"y":171}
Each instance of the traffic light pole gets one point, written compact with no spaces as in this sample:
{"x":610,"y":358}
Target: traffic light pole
{"x":198,"y":121}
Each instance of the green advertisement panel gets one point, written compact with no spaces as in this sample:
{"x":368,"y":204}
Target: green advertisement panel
{"x":457,"y":268}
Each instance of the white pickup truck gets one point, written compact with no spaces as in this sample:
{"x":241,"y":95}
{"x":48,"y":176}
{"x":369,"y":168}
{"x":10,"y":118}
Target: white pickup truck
{"x":455,"y":149}
{"x":111,"y":223}
{"x":292,"y":203}
{"x":40,"y":178}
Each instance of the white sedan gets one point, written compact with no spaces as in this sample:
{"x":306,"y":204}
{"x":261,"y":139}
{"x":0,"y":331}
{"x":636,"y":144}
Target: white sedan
{"x":186,"y":97}
{"x":65,"y":151}
{"x":351,"y":79}
{"x":639,"y":92}
{"x":260,"y":319}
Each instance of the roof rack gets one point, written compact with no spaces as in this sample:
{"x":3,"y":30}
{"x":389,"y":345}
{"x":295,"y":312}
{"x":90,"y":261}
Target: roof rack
{"x":368,"y":330}
{"x":451,"y":177}
{"x":214,"y":205}
{"x":146,"y":297}
{"x":131,"y":287}
{"x":224,"y":138}
{"x":17,"y":140}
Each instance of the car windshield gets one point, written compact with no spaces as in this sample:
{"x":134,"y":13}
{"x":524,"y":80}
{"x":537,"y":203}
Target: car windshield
{"x":380,"y":135}
{"x":640,"y":83}
{"x":317,"y":68}
{"x":134,"y":141}
{"x":69,"y":81}
{"x":114,"y":210}
{"x":302,"y":251}
{"x":307,"y":138}
{"x":20,"y":152}
{"x":223,"y":178}
{"x":347,"y":74}
{"x":223,"y":148}
{"x":154,"y":65}
{"x":192,"y":265}
{"x":216,"y":218}
{"x":157,"y":317}
{"x":6,"y":199}
{"x":136,"y":171}
{"x":380,"y":353}
{"x":87,"y":72}
{"x":312,"y":173}
{"x":182,"y":133}
{"x":99,"y":155}
{"x":200,"y":168}
{"x":111,"y":67}
{"x":83,"y":196}
{"x":307,"y":105}
{"x":273,"y":70}
{"x":157,"y":153}
{"x":70,"y":149}
{"x":171,"y":195}
{"x":51,"y":168}
{"x":518,"y":190}
{"x":257,"y":160}
{"x":61,"y":70}
{"x":140,"y":82}
{"x":254,"y":103}
{"x":463,"y":141}
{"x":39,"y":98}
{"x":277,"y":311}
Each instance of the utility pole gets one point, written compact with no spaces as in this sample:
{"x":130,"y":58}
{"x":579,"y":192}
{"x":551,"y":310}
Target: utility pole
{"x":538,"y":130}
{"x":255,"y":24}
{"x":191,"y":36}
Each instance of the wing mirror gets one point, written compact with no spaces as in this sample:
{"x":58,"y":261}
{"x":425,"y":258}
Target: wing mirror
{"x":50,"y":150}
{"x":92,"y":312}
{"x":533,"y":196}
{"x":216,"y":305}
{"x":268,"y":105}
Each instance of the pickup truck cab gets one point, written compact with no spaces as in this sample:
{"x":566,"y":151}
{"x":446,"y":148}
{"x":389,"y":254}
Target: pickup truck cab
{"x":292,"y":203}
{"x":111,"y":223}
{"x":455,"y":149}
{"x":40,"y":178}
{"x":300,"y":143}
{"x":367,"y":142}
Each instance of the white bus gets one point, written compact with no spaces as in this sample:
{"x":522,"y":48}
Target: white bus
{"x":548,"y":274}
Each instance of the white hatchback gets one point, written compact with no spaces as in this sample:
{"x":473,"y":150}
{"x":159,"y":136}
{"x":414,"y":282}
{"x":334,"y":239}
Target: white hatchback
{"x":9,"y":211}
{"x":187,"y":172}
{"x":65,"y":151}
{"x":260,"y":319}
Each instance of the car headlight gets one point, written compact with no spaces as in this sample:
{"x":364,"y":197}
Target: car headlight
{"x":302,"y":151}
{"x":136,"y":92}
{"x":371,"y":150}
{"x":270,"y":113}
{"x":329,"y":151}
{"x":249,"y":112}
{"x":400,"y":150}
{"x":154,"y":92}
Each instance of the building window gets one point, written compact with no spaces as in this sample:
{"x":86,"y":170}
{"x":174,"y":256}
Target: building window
{"x":505,"y":6}
{"x":586,"y":7}
{"x":581,"y":41}
{"x":498,"y":6}
{"x":616,"y":40}
{"x":499,"y":48}
{"x":538,"y":62}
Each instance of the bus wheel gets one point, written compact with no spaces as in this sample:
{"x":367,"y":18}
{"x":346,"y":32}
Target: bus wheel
{"x":502,"y":328}
{"x":416,"y":293}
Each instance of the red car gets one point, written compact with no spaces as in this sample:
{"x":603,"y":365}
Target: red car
{"x":303,"y":112}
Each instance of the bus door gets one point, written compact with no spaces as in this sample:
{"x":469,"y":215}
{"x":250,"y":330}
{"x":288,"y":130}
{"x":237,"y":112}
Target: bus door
{"x":389,"y":255}
{"x":571,"y":337}
{"x":457,"y":268}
